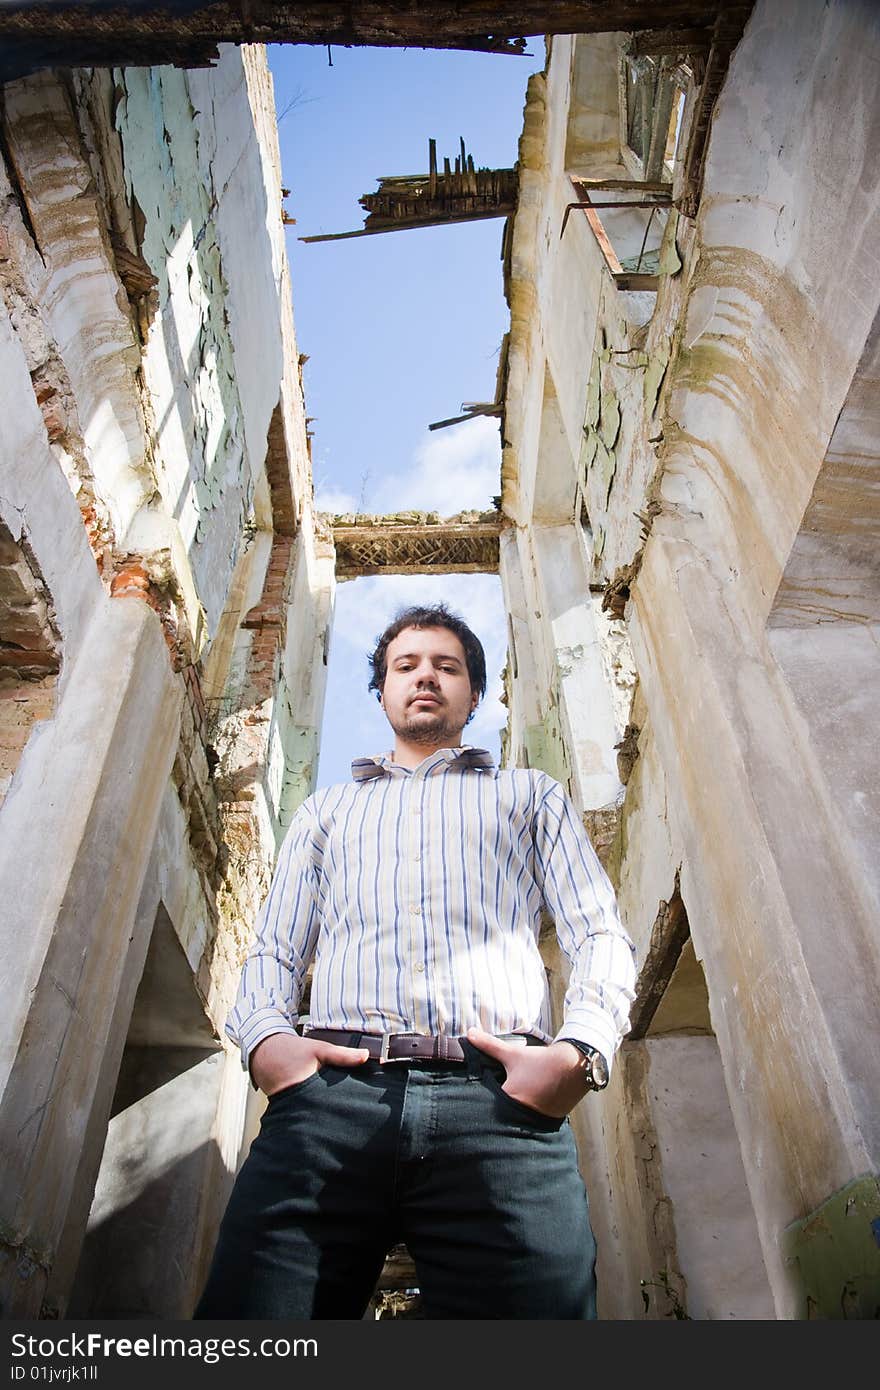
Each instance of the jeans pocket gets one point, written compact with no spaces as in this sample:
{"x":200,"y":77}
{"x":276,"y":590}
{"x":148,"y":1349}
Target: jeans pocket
{"x":295,"y":1087}
{"x":535,"y":1119}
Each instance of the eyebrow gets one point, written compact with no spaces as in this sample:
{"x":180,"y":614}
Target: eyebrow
{"x":410,"y":656}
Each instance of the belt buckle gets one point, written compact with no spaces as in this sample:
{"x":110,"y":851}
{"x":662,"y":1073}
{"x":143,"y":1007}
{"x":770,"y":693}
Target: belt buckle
{"x":383,"y":1059}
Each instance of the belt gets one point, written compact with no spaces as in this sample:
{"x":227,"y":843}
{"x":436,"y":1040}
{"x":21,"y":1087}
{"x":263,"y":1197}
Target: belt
{"x":395,"y":1047}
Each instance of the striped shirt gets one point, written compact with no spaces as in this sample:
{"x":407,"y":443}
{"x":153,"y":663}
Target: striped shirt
{"x":419,"y":895}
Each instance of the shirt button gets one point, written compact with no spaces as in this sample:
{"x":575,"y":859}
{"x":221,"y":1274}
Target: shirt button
{"x":420,"y":968}
{"x":417,"y":857}
{"x":415,"y":910}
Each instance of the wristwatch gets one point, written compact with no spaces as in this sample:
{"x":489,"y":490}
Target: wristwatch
{"x":593,"y":1063}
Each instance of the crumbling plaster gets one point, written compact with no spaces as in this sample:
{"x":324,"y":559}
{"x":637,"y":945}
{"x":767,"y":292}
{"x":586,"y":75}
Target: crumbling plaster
{"x":171,"y":202}
{"x":715,"y":414}
{"x":188,"y":367}
{"x":82,"y":305}
{"x":745,"y":388}
{"x":35,"y":500}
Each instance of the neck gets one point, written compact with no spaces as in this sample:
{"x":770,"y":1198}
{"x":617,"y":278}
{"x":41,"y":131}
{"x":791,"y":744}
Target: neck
{"x":409,"y":755}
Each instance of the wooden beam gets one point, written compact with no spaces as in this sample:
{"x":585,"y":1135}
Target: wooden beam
{"x":661,"y":115}
{"x":346,"y":571}
{"x":344,"y":533}
{"x":727,"y":32}
{"x":650,"y":43}
{"x":668,"y":936}
{"x":605,"y":246}
{"x":70,"y":34}
{"x":471,"y":413}
{"x":630,"y":280}
{"x":401,"y":226}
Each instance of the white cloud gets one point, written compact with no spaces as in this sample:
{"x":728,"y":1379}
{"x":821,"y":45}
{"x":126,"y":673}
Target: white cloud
{"x":455,"y":469}
{"x":334,"y":500}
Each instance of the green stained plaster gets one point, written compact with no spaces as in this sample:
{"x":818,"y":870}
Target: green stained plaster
{"x":299,"y":745}
{"x":300,"y":770}
{"x":609,"y":428}
{"x":669,"y":262}
{"x":654,"y":374}
{"x":604,"y":466}
{"x":598,"y":543}
{"x":588,"y":453}
{"x":836,"y":1252}
{"x":545,"y":748}
{"x":648,"y":263}
{"x":594,"y":393}
{"x":601,"y":427}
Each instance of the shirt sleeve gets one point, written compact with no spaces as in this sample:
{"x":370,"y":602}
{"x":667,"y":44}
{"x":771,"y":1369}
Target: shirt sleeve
{"x":286,"y":933}
{"x":579,"y":896}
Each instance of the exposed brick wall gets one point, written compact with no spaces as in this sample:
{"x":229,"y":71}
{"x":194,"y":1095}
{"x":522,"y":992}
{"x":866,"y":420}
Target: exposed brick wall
{"x":135,"y":577}
{"x":278,"y":474}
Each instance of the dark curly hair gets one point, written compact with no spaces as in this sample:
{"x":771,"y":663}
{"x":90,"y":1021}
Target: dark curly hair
{"x":437,"y":615}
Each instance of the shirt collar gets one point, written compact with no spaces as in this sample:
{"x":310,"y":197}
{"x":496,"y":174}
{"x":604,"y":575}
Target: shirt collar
{"x":362,"y":769}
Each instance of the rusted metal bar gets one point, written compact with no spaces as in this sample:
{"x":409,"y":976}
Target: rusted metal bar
{"x":635,"y":185}
{"x":632,"y":203}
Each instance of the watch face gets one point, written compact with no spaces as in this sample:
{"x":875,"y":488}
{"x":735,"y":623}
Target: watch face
{"x":600,"y":1070}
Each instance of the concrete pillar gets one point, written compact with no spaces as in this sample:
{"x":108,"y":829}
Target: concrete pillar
{"x":148,"y":1243}
{"x":84,"y":810}
{"x":792,"y":967}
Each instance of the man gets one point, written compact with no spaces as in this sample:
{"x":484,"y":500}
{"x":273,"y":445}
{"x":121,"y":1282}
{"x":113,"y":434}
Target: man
{"x":423,"y":1100}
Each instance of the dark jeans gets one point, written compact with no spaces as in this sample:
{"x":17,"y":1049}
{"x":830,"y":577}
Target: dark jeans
{"x":484,"y":1191}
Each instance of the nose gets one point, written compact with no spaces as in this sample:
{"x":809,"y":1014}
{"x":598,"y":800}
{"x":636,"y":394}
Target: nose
{"x":426,"y":677}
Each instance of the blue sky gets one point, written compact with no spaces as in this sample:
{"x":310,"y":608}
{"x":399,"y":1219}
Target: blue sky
{"x":399,"y":330}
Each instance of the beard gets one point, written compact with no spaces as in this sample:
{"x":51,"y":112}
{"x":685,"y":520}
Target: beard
{"x":426,"y":728}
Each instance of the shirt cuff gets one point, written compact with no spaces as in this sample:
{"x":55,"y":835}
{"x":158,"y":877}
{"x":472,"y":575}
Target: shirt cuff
{"x":257,"y":1028}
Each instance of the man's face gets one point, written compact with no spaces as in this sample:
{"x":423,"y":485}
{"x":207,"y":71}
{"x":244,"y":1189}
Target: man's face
{"x":427,"y":694}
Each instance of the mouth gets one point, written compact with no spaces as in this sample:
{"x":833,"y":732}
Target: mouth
{"x":424,"y":700}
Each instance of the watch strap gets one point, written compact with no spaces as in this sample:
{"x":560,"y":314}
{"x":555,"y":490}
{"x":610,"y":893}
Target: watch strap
{"x":589,"y":1054}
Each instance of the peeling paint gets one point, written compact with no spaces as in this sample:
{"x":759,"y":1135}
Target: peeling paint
{"x":199,"y":440}
{"x":610,"y":419}
{"x":654,"y":374}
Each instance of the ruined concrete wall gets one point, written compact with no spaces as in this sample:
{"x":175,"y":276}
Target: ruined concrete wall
{"x":725,"y":444}
{"x":160,"y":565}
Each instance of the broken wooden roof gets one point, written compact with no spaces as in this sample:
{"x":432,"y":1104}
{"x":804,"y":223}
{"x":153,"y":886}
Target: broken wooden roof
{"x":415,"y":543}
{"x":102,"y":33}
